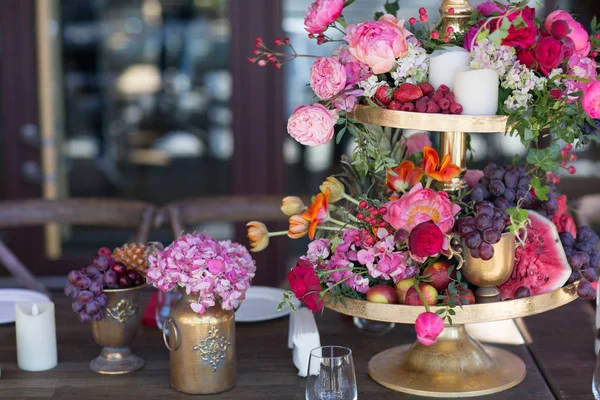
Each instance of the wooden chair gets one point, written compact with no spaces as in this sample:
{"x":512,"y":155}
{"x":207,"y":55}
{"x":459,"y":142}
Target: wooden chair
{"x":99,"y":212}
{"x":200,"y":210}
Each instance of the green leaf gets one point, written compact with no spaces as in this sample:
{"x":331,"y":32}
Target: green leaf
{"x":518,"y":214}
{"x":546,"y":159}
{"x":378,"y":15}
{"x":451,"y":311}
{"x":348,"y":2}
{"x":340,"y":135}
{"x":440,"y":311}
{"x":483,"y":35}
{"x":392,"y":7}
{"x":281,"y":305}
{"x":519,"y":22}
{"x":541,"y":190}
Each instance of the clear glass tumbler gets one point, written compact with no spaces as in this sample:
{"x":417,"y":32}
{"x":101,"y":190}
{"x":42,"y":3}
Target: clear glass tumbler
{"x":331,"y":374}
{"x":373,"y":328}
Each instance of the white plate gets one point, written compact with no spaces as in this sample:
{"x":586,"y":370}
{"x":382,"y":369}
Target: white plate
{"x":8,"y":298}
{"x":261,"y":305}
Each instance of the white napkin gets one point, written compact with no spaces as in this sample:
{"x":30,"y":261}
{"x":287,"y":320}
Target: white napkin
{"x":302,"y":338}
{"x":500,"y":332}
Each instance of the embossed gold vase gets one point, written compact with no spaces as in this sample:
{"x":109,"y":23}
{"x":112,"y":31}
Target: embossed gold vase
{"x":116,"y":331}
{"x":202,"y":348}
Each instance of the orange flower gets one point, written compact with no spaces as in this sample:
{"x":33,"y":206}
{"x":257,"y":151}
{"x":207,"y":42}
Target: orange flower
{"x":403,"y":177}
{"x":444,"y":171}
{"x":298,"y":227}
{"x":258,"y":234}
{"x":317,"y":212}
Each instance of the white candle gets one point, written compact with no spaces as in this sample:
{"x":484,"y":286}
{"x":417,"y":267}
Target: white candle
{"x":477,"y":91}
{"x":442,"y":68}
{"x":36,"y":336}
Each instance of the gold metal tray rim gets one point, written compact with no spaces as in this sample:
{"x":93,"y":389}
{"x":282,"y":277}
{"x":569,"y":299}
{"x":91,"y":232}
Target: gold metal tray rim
{"x":469,"y":314}
{"x":430,"y":122}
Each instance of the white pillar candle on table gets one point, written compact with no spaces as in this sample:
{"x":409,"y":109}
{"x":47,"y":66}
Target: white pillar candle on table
{"x":442,"y":68}
{"x":477,"y":91}
{"x":36,"y":336}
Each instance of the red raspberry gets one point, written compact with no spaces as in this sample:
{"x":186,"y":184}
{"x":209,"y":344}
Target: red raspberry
{"x":427,"y":88}
{"x":444,"y":89}
{"x":421,"y":105}
{"x":446,"y":111}
{"x":444,"y":104}
{"x":409,"y":107}
{"x":450,"y":96}
{"x":456,"y":108}
{"x":395,"y":105}
{"x":433,"y":107}
{"x":438,"y":96}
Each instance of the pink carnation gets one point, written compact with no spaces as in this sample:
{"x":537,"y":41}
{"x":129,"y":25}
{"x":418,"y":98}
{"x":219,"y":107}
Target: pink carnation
{"x":327,"y":77}
{"x":378,"y":43}
{"x":577,"y":34}
{"x":590,"y":101}
{"x":321,"y":14}
{"x":312,"y":125}
{"x":428,"y":327}
{"x":421,"y":205}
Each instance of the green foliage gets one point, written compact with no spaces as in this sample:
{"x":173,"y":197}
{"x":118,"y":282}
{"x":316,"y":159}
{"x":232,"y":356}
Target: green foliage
{"x":518,"y":222}
{"x":541,"y":190}
{"x":390,"y":7}
{"x":545,"y":159}
{"x":287,"y":299}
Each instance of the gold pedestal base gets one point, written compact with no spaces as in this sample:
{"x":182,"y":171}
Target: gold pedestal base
{"x":456,"y":366}
{"x":116,"y":361}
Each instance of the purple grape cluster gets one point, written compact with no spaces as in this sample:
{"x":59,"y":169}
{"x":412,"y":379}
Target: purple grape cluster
{"x":584,"y":258}
{"x":503,"y":186}
{"x":483,"y":229}
{"x":86,"y":286}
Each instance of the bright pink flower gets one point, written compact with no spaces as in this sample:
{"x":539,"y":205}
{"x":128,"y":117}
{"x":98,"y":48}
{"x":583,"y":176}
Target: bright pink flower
{"x":426,"y":240}
{"x":312,"y":125}
{"x":421,"y":205}
{"x":321,"y":14}
{"x":590,"y":101}
{"x":416,"y":143}
{"x":470,"y":40}
{"x":428,"y":327}
{"x":549,"y":54}
{"x":578,"y":34}
{"x":378,"y":44}
{"x":523,"y":36}
{"x":356,"y":71}
{"x":487,"y":8}
{"x":327,"y":77}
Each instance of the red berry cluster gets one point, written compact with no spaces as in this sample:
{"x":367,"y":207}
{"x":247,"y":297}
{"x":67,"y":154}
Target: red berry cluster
{"x":371,"y":215}
{"x":567,"y":157}
{"x":434,"y":34}
{"x":421,"y":98}
{"x":264,"y":55}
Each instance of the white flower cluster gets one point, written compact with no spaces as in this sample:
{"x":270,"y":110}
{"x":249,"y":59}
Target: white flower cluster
{"x":370,"y":85}
{"x":487,"y":55}
{"x":412,"y":68}
{"x":522,"y":81}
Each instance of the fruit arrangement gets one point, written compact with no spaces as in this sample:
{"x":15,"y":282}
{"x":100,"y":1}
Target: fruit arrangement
{"x":105,"y":271}
{"x":421,"y":98}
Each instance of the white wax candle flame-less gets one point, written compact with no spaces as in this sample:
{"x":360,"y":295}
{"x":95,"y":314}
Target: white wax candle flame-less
{"x":36,"y":336}
{"x":477,"y":91}
{"x":443,"y":67}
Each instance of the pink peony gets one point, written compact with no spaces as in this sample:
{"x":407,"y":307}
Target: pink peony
{"x":327,"y":77}
{"x":590,"y":101}
{"x":577,"y":34}
{"x":470,"y":40}
{"x":312,"y":125}
{"x":356,"y":71}
{"x":378,"y":44}
{"x":472,"y":177}
{"x":428,"y":327}
{"x":416,"y":143}
{"x":321,"y":14}
{"x":421,"y":205}
{"x":488,"y":8}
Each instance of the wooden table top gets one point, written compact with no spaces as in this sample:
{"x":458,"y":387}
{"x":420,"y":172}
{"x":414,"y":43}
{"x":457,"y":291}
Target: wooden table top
{"x":560,"y":361}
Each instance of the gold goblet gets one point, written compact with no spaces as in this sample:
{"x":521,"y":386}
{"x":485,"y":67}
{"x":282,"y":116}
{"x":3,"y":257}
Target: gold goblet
{"x":487,"y":275}
{"x":116,"y":331}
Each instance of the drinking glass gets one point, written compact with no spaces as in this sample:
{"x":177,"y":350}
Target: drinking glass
{"x":331,"y":374}
{"x":373,"y":328}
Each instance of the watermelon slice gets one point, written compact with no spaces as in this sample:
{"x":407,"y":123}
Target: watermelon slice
{"x":541,"y":265}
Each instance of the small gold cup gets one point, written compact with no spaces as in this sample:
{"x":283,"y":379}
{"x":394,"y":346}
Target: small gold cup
{"x":116,"y":331}
{"x":487,"y":275}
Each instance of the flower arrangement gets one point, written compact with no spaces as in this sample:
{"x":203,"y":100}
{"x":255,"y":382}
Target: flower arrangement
{"x":215,"y":271}
{"x":385,"y":230}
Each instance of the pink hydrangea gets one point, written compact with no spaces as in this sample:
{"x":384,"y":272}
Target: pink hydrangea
{"x":577,"y":33}
{"x":421,"y":205}
{"x":321,"y":14}
{"x":318,"y":250}
{"x":378,"y":43}
{"x":327,"y":77}
{"x":428,"y":327}
{"x":216,"y":272}
{"x":347,"y":100}
{"x":356,"y":71}
{"x":581,"y":67}
{"x":312,"y":125}
{"x":590,"y":101}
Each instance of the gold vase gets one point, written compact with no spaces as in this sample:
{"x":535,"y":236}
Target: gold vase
{"x":202,"y":348}
{"x":487,"y":275}
{"x":116,"y":331}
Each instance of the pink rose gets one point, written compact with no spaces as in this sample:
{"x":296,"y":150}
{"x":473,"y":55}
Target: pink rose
{"x":428,"y":327}
{"x":421,"y":205}
{"x":577,"y":33}
{"x":590,"y":101}
{"x":426,"y":240}
{"x":356,"y":71}
{"x":378,"y":44}
{"x":472,"y":177}
{"x":487,"y":8}
{"x":416,"y":143}
{"x":347,"y":100}
{"x":321,"y":14}
{"x":312,"y":125}
{"x":549,"y":54}
{"x":327,"y":77}
{"x":523,"y":36}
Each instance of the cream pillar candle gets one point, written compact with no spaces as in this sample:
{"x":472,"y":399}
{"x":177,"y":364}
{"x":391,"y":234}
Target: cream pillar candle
{"x":477,"y":91}
{"x":36,"y":336}
{"x":443,"y":67}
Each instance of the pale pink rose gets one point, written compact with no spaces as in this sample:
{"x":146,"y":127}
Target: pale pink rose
{"x":321,"y":14}
{"x":327,"y":77}
{"x":472,"y":177}
{"x":378,"y":44}
{"x":428,"y":327}
{"x":416,"y":143}
{"x":312,"y":125}
{"x":356,"y":71}
{"x":577,"y":34}
{"x":347,"y":100}
{"x":590,"y":101}
{"x":421,"y":205}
